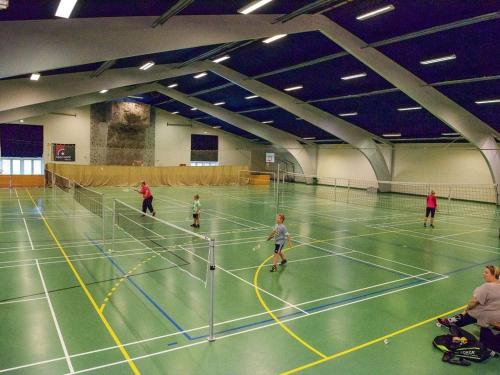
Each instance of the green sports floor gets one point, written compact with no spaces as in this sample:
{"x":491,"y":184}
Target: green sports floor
{"x":73,"y":303}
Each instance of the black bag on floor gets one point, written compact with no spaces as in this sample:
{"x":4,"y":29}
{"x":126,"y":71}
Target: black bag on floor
{"x":460,"y":347}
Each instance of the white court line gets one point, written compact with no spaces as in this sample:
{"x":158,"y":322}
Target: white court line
{"x":250,"y":329}
{"x":28,"y":232}
{"x":56,"y":323}
{"x":22,"y":300}
{"x":462,"y":233}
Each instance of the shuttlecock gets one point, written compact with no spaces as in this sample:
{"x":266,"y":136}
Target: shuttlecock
{"x":386,"y":341}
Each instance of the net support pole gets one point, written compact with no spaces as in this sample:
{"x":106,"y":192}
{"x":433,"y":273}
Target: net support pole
{"x":277,"y":198}
{"x":211,"y":280}
{"x":103,"y":221}
{"x":114,"y":224}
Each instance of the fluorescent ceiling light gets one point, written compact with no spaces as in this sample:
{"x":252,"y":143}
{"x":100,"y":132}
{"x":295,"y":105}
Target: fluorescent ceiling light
{"x":217,"y":127}
{"x":221,"y":59}
{"x":348,"y":114}
{"x":273,"y":38}
{"x":254,"y":5}
{"x":175,"y":113}
{"x":353,"y":76}
{"x":194,"y":109}
{"x":205,"y":132}
{"x":308,"y":138}
{"x":438,"y":59}
{"x":65,"y":8}
{"x":147,"y":65}
{"x":299,"y":119}
{"x":172,"y":85}
{"x":268,"y":122}
{"x":220,"y":103}
{"x":200,"y":75}
{"x":489,"y":101}
{"x":450,"y":134}
{"x":251,"y":97}
{"x":409,"y":109}
{"x":135,"y":97}
{"x":375,"y":12}
{"x":35,"y":77}
{"x":388,"y":135}
{"x":21,"y":120}
{"x":293,"y":88}
{"x":104,"y":91}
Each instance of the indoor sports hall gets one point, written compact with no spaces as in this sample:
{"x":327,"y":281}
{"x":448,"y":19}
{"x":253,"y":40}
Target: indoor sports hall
{"x":250,"y":187}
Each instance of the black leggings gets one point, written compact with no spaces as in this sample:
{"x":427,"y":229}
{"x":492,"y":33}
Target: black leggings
{"x":488,"y":337}
{"x":147,"y":204}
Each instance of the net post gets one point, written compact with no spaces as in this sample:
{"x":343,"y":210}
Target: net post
{"x":449,"y":199}
{"x":277,"y":198}
{"x":211,"y":278}
{"x":348,"y":189}
{"x":103,"y":221}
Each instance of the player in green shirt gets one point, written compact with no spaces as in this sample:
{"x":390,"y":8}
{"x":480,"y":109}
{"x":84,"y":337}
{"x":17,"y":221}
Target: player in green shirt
{"x":196,"y":211}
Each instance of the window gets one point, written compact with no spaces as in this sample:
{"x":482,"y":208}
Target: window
{"x":6,"y":166}
{"x":204,"y":163}
{"x":37,"y":166}
{"x":16,"y":166}
{"x":27,"y":166}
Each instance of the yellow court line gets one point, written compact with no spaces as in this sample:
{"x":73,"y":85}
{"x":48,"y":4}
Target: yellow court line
{"x":371,"y":342}
{"x":112,"y":333}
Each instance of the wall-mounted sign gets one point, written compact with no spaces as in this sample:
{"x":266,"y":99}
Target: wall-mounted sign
{"x":269,"y":157}
{"x":63,"y":152}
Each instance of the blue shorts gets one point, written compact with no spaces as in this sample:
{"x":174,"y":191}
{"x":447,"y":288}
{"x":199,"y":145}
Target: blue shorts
{"x":278,"y":247}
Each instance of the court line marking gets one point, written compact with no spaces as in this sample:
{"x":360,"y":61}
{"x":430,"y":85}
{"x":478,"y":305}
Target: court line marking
{"x":371,"y":342}
{"x":56,"y":323}
{"x":22,"y":300}
{"x":112,"y":333}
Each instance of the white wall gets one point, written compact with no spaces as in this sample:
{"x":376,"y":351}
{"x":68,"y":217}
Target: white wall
{"x":439,"y":163}
{"x":59,"y":128}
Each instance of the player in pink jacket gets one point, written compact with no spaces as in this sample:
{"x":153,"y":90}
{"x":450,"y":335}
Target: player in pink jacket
{"x":430,"y":208}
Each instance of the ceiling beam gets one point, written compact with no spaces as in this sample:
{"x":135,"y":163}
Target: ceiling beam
{"x":174,"y":10}
{"x":105,"y":66}
{"x":456,"y":117}
{"x":40,"y":45}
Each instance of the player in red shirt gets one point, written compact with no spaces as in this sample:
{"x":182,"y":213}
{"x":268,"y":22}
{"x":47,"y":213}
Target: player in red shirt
{"x":147,"y":198}
{"x":430,"y":208}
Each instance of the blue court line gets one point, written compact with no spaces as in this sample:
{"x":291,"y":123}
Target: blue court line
{"x":142,"y":291}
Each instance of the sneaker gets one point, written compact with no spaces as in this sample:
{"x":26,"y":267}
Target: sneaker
{"x":154,"y":213}
{"x":274,"y":269}
{"x":425,"y":225}
{"x":432,"y":225}
{"x":193,"y":225}
{"x":197,"y":225}
{"x":283,"y":262}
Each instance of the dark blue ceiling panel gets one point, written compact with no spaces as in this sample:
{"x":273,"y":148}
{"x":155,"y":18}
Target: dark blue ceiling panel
{"x":189,"y":85}
{"x":234,"y":97}
{"x":258,"y":57}
{"x":467,"y":94}
{"x":212,"y":121}
{"x":477,"y":50}
{"x":379,"y":115}
{"x":45,"y":9}
{"x":408,"y":15}
{"x":324,"y":80}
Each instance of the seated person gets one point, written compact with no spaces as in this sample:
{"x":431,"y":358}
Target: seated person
{"x":483,"y":309}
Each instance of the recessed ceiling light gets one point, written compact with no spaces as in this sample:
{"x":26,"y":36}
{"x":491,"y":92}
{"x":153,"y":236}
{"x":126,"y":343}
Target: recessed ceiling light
{"x":251,"y":97}
{"x":147,"y":65}
{"x":438,"y":59}
{"x":293,"y":88}
{"x":353,"y":76}
{"x":65,"y":8}
{"x":273,"y":38}
{"x":409,"y":109}
{"x":347,"y":114}
{"x":205,"y":132}
{"x":217,"y":127}
{"x":135,"y":97}
{"x":268,"y":122}
{"x":254,"y":5}
{"x":450,"y":134}
{"x":21,"y":120}
{"x":194,"y":109}
{"x":175,"y":113}
{"x":299,"y":119}
{"x":389,"y":135}
{"x":172,"y":85}
{"x":221,"y":59}
{"x":308,"y":138}
{"x":375,"y":12}
{"x":220,"y":103}
{"x":201,"y":75}
{"x":489,"y":101}
{"x":104,"y":91}
{"x":35,"y":76}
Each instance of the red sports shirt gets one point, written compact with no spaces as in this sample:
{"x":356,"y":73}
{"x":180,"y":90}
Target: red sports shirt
{"x":431,"y":201}
{"x":145,"y":191}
